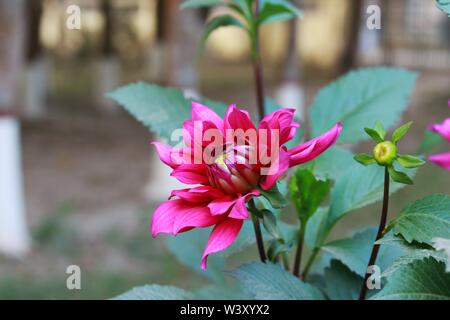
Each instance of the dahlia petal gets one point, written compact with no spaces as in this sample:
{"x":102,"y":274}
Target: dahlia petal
{"x":442,"y":128}
{"x":274,"y":173}
{"x":199,"y":194}
{"x":442,"y":160}
{"x":282,"y":120}
{"x":221,"y":205}
{"x":313,"y":148}
{"x":166,"y":154}
{"x":222,"y":236}
{"x":239,"y":210}
{"x":191,"y":173}
{"x":193,"y":138}
{"x":177,"y":216}
{"x":238,"y":119}
{"x":164,"y":217}
{"x":194,"y":217}
{"x":203,"y":113}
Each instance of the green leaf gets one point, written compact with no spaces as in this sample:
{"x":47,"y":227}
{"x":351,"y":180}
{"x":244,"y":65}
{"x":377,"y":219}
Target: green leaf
{"x":355,"y":252}
{"x":332,"y":164}
{"x":374,"y":135}
{"x":362,"y":187}
{"x":356,"y":186}
{"x":307,"y":192}
{"x":358,"y":98}
{"x":243,"y":7}
{"x":341,"y":283}
{"x":200,"y":3}
{"x":380,"y":129}
{"x":444,"y":5}
{"x":420,"y":280}
{"x":317,"y":228}
{"x":400,"y":132}
{"x":443,"y":246}
{"x":270,"y":224}
{"x":364,"y":159}
{"x":277,"y":247}
{"x":268,"y":281}
{"x":188,"y":248}
{"x":424,"y":220}
{"x":210,"y":292}
{"x":399,"y":176}
{"x":276,"y":195}
{"x":288,"y":231}
{"x":225,"y":20}
{"x":408,"y":161}
{"x":411,"y":252}
{"x":430,"y":141}
{"x":277,"y":10}
{"x":160,"y":109}
{"x":156,"y":292}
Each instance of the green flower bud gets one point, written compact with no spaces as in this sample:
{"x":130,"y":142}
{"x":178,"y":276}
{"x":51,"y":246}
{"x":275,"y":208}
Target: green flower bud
{"x":385,"y":153}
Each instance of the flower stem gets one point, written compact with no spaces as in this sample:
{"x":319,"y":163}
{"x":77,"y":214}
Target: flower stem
{"x":285,"y":258}
{"x":376,"y":247}
{"x":259,"y":238}
{"x":298,"y":253}
{"x":259,"y":90}
{"x":257,"y":65}
{"x":311,"y":259}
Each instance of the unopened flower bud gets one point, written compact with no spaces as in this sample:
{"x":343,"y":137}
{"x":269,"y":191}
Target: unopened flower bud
{"x":385,"y":153}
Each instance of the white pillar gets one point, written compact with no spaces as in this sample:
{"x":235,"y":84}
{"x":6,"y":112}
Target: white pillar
{"x":14,"y":239}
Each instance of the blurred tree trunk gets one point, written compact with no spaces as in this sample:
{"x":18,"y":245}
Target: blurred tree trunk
{"x":386,"y":39}
{"x":181,"y":35}
{"x":34,"y":12}
{"x":107,"y":47}
{"x":14,"y":239}
{"x":291,"y":65}
{"x":36,"y":76}
{"x":169,"y":19}
{"x":107,"y":65}
{"x":290,"y":93}
{"x":349,"y":55}
{"x":12,"y":32}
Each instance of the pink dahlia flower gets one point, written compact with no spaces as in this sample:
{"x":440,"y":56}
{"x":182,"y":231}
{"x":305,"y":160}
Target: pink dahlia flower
{"x":442,"y":159}
{"x":228,"y":160}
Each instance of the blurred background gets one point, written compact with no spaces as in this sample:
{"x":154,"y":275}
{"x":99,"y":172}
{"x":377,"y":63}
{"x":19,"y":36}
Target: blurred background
{"x":80,"y":180}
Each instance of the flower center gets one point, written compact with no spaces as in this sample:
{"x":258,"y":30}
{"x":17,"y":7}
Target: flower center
{"x":220,"y":161}
{"x":232,"y":173}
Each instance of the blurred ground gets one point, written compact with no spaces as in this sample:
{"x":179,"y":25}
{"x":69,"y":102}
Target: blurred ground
{"x":84,"y":178}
